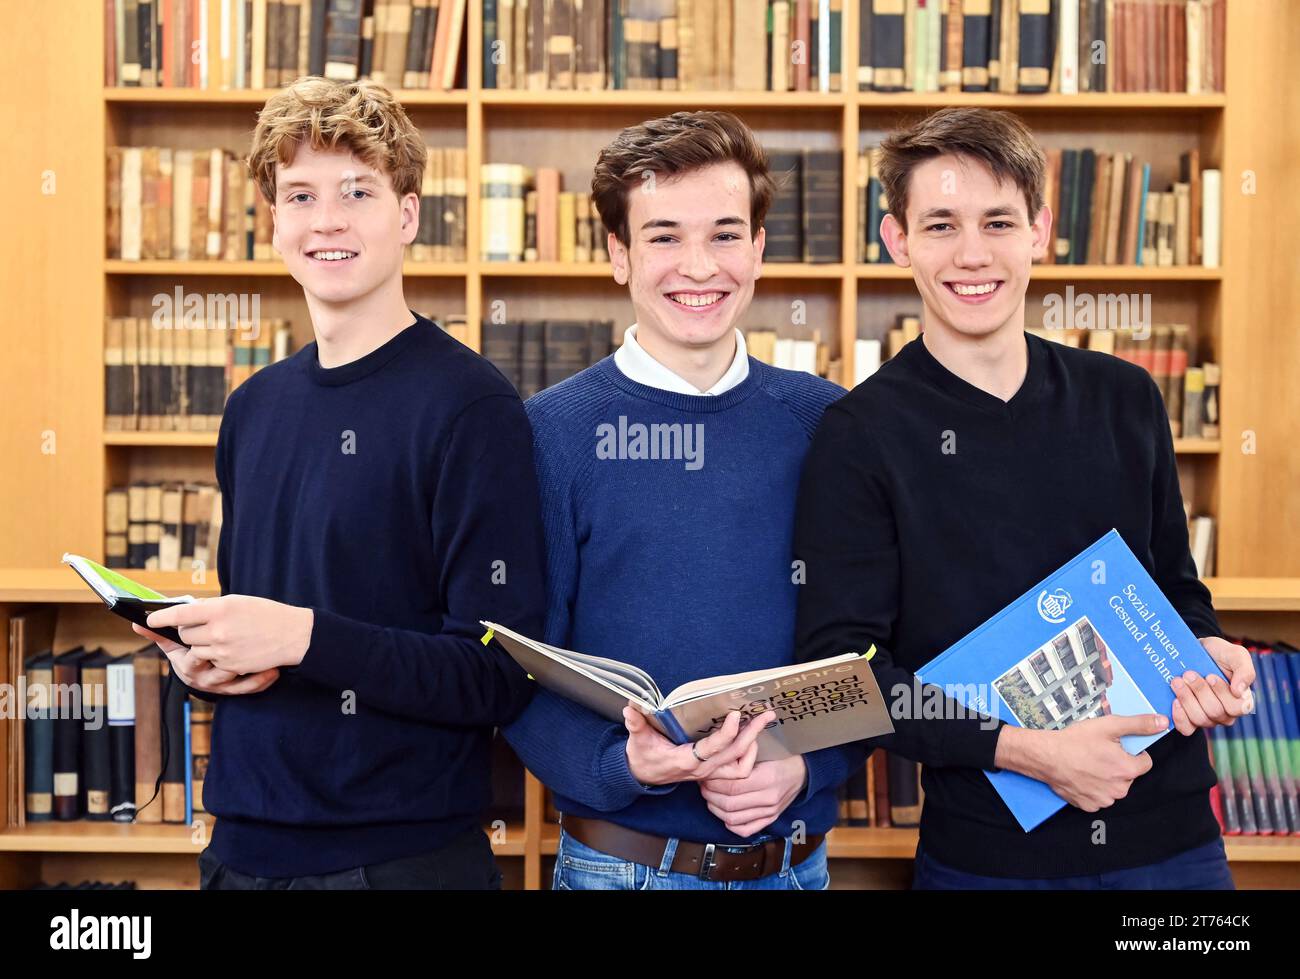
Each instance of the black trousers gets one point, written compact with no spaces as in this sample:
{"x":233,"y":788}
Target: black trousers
{"x":464,"y":864}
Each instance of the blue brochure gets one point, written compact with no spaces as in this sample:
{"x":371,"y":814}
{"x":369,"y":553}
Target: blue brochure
{"x":1096,"y":637}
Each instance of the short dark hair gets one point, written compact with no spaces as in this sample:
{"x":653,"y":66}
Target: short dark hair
{"x":677,"y":144}
{"x":997,"y":139}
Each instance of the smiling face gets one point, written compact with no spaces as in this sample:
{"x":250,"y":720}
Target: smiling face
{"x":970,"y":244}
{"x":692,"y":262}
{"x":340,"y":227}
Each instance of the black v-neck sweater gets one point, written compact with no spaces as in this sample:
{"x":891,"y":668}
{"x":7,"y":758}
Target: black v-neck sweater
{"x":927,"y":505}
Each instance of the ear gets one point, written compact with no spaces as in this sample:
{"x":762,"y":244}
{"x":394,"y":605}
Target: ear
{"x":895,"y":239}
{"x":618,"y":258}
{"x":759,"y":242}
{"x":275,"y":233}
{"x":410,"y":208}
{"x":1042,"y":230}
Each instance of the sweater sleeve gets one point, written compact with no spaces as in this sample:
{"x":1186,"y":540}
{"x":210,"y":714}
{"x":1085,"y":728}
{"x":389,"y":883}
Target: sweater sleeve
{"x":487,"y":532}
{"x":574,"y":751}
{"x":846,"y":537}
{"x":1171,"y":555}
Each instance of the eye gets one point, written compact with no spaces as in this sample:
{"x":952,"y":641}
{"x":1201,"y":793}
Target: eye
{"x":293,"y":199}
{"x":655,"y":241}
{"x":728,"y":236}
{"x":1000,"y":225}
{"x":941,"y":226}
{"x":363,"y":193}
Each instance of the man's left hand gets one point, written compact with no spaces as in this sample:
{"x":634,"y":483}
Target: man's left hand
{"x":1203,"y":702}
{"x":748,"y":805}
{"x":240,"y":633}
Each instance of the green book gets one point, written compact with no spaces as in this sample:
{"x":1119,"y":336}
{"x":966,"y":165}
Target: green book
{"x":129,"y":599}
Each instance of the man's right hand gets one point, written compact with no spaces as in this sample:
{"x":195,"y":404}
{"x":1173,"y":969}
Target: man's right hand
{"x":728,"y":752}
{"x":199,"y":674}
{"x":1085,"y":764}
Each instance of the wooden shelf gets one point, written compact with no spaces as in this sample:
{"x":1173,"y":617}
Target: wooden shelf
{"x":1255,"y":594}
{"x":61,"y":584}
{"x":274,"y":267}
{"x":550,"y":99}
{"x":95,"y":837}
{"x":161,"y":438}
{"x":258,"y":96}
{"x":1197,"y":446}
{"x":603,"y":270}
{"x":1076,"y":273}
{"x":1052,"y":102}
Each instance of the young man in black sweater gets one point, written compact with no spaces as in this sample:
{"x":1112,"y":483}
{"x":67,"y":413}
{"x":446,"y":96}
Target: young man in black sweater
{"x":968,"y":467}
{"x":379,"y":499}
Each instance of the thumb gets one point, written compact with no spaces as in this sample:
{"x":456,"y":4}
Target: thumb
{"x":633,"y":720}
{"x":1118,"y":725}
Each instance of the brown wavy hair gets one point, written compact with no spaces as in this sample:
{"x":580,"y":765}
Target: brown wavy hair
{"x":360,"y":117}
{"x":677,"y":144}
{"x":997,"y":139}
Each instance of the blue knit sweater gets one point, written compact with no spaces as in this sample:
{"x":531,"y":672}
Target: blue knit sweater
{"x":669,"y":522}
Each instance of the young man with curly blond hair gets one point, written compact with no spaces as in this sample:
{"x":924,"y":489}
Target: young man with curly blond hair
{"x":379,"y":499}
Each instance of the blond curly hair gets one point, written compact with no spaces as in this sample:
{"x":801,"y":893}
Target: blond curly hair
{"x":360,"y":117}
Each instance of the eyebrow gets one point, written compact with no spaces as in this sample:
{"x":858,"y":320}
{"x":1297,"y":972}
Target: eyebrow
{"x":729,"y":220}
{"x":364,"y":178}
{"x":1003,"y":210}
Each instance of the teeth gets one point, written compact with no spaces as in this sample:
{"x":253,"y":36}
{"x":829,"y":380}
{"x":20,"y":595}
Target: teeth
{"x":333,"y":256}
{"x":979,"y":290}
{"x":690,"y":300}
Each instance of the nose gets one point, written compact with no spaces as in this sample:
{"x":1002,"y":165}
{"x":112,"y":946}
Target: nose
{"x":696,"y":261}
{"x":328,"y":215}
{"x":973,"y":250}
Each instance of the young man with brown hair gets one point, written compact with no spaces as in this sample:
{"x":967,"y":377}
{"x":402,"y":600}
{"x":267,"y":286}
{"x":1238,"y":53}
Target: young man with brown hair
{"x":379,"y":499}
{"x":678,"y":561}
{"x":971,"y":465}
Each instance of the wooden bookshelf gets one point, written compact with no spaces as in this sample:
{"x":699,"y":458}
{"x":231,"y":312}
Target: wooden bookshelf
{"x":59,"y":287}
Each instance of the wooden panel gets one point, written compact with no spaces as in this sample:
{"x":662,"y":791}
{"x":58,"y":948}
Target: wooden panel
{"x":1260,"y":511}
{"x":50,"y":262}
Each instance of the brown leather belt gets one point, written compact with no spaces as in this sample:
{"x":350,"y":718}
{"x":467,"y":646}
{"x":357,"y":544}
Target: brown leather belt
{"x":708,"y":861}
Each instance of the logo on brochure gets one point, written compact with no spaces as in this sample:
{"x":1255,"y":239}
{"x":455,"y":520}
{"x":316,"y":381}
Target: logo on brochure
{"x":1052,"y":607}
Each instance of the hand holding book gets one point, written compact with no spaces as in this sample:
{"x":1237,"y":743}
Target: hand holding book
{"x":727,"y":753}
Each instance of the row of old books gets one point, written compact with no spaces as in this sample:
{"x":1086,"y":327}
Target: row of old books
{"x":98,"y":731}
{"x":525,"y":216}
{"x":254,"y":44}
{"x":163,"y":526}
{"x":794,"y":353}
{"x":1105,"y":211}
{"x":166,"y":203}
{"x":1036,"y":46}
{"x":885,"y":792}
{"x":535,"y":354}
{"x":673,"y":45}
{"x":165,"y":375}
{"x":1257,"y":759}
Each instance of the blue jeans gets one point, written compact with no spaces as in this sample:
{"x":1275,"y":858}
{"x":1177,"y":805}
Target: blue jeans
{"x":580,"y":868}
{"x":1202,"y":868}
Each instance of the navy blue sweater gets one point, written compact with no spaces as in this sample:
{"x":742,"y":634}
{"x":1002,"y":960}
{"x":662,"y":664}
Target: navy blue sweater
{"x":396,"y":497}
{"x":681,"y":566}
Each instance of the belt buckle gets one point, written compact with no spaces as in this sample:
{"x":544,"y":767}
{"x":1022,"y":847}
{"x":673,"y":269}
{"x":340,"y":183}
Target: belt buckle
{"x":707,"y":863}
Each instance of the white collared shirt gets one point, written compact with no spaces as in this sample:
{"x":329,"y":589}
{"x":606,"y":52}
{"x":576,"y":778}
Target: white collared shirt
{"x":637,"y":365}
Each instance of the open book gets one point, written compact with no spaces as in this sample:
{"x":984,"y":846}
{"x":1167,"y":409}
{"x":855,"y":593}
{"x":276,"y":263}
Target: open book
{"x":818,"y":705}
{"x":129,"y":599}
